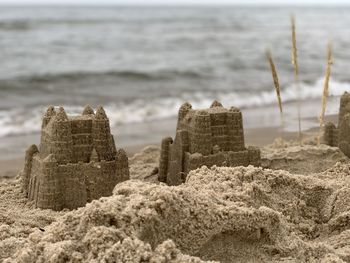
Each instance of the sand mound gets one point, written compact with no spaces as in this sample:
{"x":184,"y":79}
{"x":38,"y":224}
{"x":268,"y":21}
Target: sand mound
{"x":306,"y":159}
{"x":144,"y":165}
{"x":19,"y":218}
{"x":243,"y":214}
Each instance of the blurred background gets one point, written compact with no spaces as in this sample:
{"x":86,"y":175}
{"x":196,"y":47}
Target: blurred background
{"x":142,"y":60}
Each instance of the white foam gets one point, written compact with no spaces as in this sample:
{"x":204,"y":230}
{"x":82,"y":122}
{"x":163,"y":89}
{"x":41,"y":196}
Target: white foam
{"x":22,"y":121}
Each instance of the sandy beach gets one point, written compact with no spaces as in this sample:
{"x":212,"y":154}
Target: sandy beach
{"x":154,"y":134}
{"x":290,"y":208}
{"x":11,"y":167}
{"x":259,"y":137}
{"x":222,"y":214}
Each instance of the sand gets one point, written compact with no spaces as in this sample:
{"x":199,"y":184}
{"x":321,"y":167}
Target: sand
{"x":241,"y":214}
{"x":11,"y":165}
{"x":311,"y":158}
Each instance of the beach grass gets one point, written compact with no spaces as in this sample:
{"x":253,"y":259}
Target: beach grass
{"x":296,"y":75}
{"x":277,"y":87}
{"x":275,"y":79}
{"x":325,"y":89}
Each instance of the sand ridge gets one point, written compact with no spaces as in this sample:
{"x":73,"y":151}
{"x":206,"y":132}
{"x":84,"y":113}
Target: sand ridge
{"x":244,"y":214}
{"x":311,"y":158}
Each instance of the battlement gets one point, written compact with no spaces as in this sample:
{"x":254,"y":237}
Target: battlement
{"x":211,"y":136}
{"x":214,"y":127}
{"x":72,"y":138}
{"x":76,"y":161}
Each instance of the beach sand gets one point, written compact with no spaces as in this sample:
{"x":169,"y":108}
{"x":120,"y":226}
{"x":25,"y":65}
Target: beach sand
{"x":11,"y":167}
{"x":241,"y":214}
{"x":295,"y":208}
{"x":255,"y":136}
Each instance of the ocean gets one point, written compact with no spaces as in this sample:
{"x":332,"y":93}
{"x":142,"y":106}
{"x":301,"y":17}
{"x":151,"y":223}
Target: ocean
{"x":142,"y":63}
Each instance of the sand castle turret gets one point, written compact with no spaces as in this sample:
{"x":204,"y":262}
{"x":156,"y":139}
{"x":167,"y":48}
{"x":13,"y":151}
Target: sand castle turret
{"x":88,"y":110}
{"x":103,"y":141}
{"x":50,"y":112}
{"x":76,"y":162}
{"x":340,"y":136}
{"x":28,"y":160}
{"x":209,"y":137}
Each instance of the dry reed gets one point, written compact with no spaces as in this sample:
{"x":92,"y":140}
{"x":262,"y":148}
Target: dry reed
{"x":296,"y":74}
{"x":275,"y":79}
{"x":277,"y":87}
{"x":325,"y":89}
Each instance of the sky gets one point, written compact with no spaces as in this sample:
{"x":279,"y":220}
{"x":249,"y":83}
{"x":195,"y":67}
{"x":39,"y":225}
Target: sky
{"x":180,"y":2}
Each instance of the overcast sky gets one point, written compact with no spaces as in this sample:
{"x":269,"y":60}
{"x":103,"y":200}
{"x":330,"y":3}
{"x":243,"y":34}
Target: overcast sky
{"x":182,"y":2}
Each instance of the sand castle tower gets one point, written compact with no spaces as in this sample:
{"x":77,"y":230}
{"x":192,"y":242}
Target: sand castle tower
{"x":208,"y":137}
{"x":76,"y":161}
{"x":340,"y":136}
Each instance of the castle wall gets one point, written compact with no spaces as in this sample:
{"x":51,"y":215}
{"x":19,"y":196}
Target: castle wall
{"x":49,"y":193}
{"x":344,"y":106}
{"x":184,"y":110}
{"x":254,"y":156}
{"x":77,"y":161}
{"x":330,"y":136}
{"x":107,"y":179}
{"x":28,"y":160}
{"x":164,"y":159}
{"x":237,"y":158}
{"x":73,"y":183}
{"x":235,"y":131}
{"x":344,"y":135}
{"x":45,"y":143}
{"x":225,"y":129}
{"x":340,"y":136}
{"x":194,"y":161}
{"x":36,"y":171}
{"x":57,"y":139}
{"x":219,"y":131}
{"x":122,"y":162}
{"x":177,"y":151}
{"x":45,"y":187}
{"x":102,"y":139}
{"x":200,"y":137}
{"x":82,"y":139}
{"x":205,"y":137}
{"x":55,"y":186}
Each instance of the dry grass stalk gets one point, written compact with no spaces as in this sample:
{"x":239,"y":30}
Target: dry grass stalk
{"x":294,"y":48}
{"x":296,"y":73}
{"x":277,"y":87}
{"x":275,"y":79}
{"x":325,"y":88}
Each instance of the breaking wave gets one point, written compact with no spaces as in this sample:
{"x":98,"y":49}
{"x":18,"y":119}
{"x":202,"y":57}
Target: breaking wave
{"x":27,"y":121}
{"x":46,"y":80}
{"x":129,"y":74}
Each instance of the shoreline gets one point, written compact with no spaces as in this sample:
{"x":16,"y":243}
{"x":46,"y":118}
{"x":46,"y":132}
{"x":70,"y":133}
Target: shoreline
{"x":253,"y":136}
{"x":265,"y":120}
{"x":260,"y":127}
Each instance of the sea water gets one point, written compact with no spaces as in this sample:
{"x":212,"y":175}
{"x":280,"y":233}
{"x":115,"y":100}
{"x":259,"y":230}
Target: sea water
{"x":142,"y":63}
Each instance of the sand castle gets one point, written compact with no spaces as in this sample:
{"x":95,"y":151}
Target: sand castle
{"x":208,"y":137}
{"x":76,"y":162}
{"x":340,"y":136}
